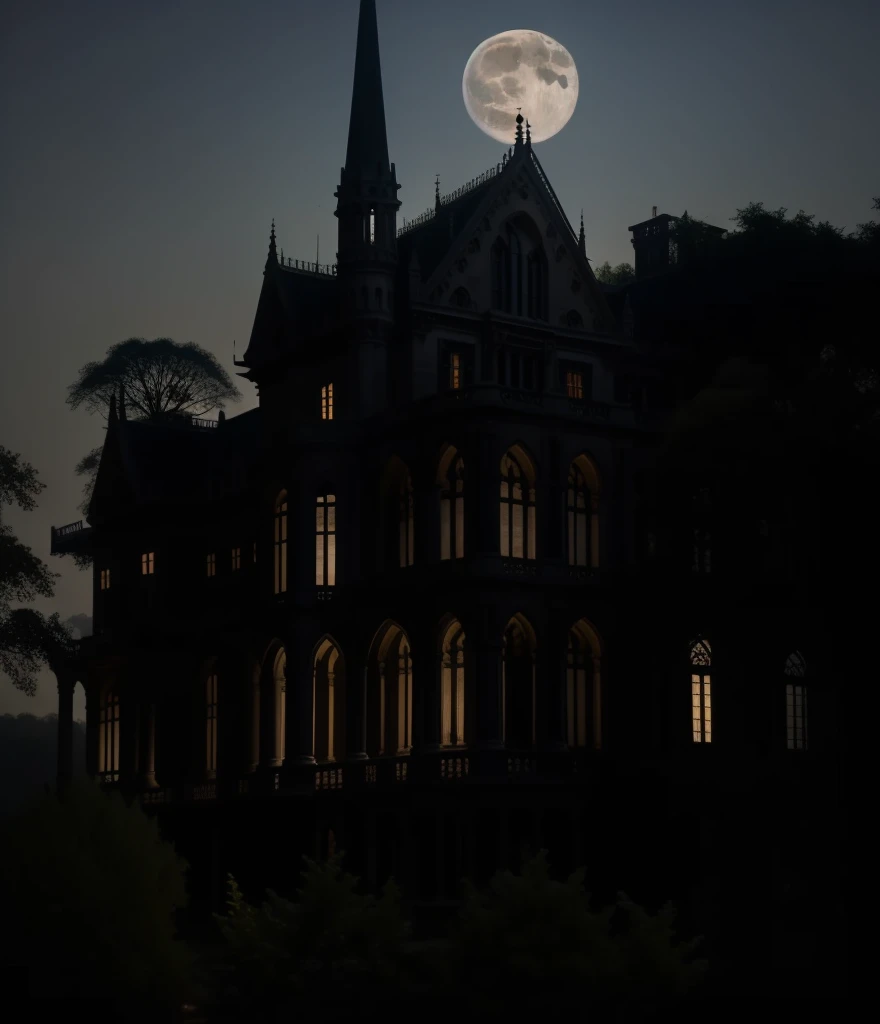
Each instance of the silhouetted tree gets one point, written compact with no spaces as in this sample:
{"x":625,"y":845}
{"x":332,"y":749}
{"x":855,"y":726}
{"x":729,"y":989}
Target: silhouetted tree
{"x":623,"y":273}
{"x":90,"y":890}
{"x":155,"y":378}
{"x":27,"y":638}
{"x":29,"y":757}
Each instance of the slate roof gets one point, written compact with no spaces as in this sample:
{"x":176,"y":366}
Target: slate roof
{"x":177,"y":462}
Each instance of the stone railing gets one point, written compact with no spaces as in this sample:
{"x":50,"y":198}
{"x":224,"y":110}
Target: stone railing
{"x":450,"y":197}
{"x":198,"y":421}
{"x":324,"y":269}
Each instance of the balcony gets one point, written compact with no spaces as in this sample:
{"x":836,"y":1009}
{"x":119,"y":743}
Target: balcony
{"x":71,"y":539}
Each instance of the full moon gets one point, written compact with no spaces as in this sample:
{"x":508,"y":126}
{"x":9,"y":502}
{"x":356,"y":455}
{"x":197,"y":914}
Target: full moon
{"x":523,"y":69}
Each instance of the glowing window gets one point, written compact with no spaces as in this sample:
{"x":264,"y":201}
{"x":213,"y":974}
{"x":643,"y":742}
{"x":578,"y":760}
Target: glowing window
{"x":211,"y":564}
{"x":148,"y":563}
{"x":404,"y":699}
{"x":517,"y":509}
{"x":211,"y":726}
{"x":452,"y":687}
{"x":327,"y":402}
{"x":406,"y":517}
{"x":372,"y":227}
{"x":108,"y":736}
{"x":105,"y":579}
{"x":325,"y":541}
{"x":574,"y":383}
{"x":576,"y":692}
{"x":796,"y":702}
{"x":455,"y":371}
{"x":236,"y":559}
{"x":701,"y":690}
{"x":280,"y":543}
{"x":579,"y":509}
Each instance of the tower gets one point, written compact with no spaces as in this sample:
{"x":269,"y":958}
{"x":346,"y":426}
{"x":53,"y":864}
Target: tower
{"x":367,"y":195}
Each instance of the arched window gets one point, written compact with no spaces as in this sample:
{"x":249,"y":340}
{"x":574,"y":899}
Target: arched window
{"x":328,"y":719}
{"x":518,"y":684}
{"x":325,"y":541}
{"x":279,"y":707}
{"x":450,"y":479}
{"x":108,"y":736}
{"x":517,"y":505}
{"x":701,"y":690}
{"x":211,"y":706}
{"x":582,"y":508}
{"x":519,"y":271}
{"x":406,"y":521}
{"x":390,"y":696}
{"x":452,"y":691}
{"x":795,"y":702}
{"x":583,"y":687}
{"x":280,"y":550}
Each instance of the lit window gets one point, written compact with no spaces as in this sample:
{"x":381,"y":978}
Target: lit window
{"x":108,"y":736}
{"x":701,"y":690}
{"x":796,"y":702}
{"x":328,"y":670}
{"x":236,"y":559}
{"x":452,"y":687}
{"x":579,"y":507}
{"x":211,"y":564}
{"x":576,"y":692}
{"x":325,"y":541}
{"x":105,"y":579}
{"x":574,"y":383}
{"x":451,"y":480}
{"x":211,"y":726}
{"x":372,"y":227}
{"x":517,"y":509}
{"x":455,"y":371}
{"x":280,"y":544}
{"x":407,"y":544}
{"x":148,"y":563}
{"x":327,"y":402}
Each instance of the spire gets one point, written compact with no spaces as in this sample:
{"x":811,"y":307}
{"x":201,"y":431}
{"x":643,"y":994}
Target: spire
{"x":519,"y":128}
{"x":111,"y":416}
{"x":437,"y":195}
{"x":582,"y":238}
{"x":367,"y":153}
{"x":273,"y":254}
{"x":528,"y":135}
{"x":122,"y":415}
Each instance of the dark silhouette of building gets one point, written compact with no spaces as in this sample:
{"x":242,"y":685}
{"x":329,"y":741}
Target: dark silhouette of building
{"x":421,"y":604}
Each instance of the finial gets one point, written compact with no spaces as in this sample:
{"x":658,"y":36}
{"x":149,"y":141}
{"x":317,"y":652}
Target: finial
{"x":582,"y":238}
{"x":273,"y":255}
{"x":519,"y":128}
{"x":528,"y":134}
{"x":437,"y":195}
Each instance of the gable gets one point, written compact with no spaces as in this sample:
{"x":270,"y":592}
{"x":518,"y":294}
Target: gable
{"x":519,"y":196}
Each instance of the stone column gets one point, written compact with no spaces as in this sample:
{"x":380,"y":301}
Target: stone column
{"x":483,"y":672}
{"x":300,"y":696}
{"x":66,"y":683}
{"x":425,"y":661}
{"x":93,"y":718}
{"x":148,"y":745}
{"x":552,"y":669}
{"x":482,"y":494}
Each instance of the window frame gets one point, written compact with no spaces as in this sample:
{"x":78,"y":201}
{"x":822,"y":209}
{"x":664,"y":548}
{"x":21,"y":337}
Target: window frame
{"x":700,"y":658}
{"x":148,"y":563}
{"x":509,"y":504}
{"x":325,"y":529}
{"x":280,"y":527}
{"x":327,"y":402}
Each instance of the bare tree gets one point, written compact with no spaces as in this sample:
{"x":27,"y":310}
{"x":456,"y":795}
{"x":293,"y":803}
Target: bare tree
{"x":155,"y":378}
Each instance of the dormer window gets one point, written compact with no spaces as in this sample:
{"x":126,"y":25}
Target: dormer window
{"x":327,"y":402}
{"x":105,"y":579}
{"x":211,"y":564}
{"x":148,"y":563}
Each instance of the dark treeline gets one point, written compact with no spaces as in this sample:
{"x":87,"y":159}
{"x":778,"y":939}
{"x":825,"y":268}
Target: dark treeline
{"x":28,"y":756}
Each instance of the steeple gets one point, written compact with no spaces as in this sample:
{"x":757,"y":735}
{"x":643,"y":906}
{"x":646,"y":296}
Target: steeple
{"x":367,"y":153}
{"x":273,"y":254}
{"x":367,"y":195}
{"x":519,"y":128}
{"x":582,"y":238}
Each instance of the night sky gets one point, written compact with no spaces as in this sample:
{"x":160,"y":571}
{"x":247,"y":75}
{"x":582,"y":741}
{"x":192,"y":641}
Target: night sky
{"x":147,"y":147}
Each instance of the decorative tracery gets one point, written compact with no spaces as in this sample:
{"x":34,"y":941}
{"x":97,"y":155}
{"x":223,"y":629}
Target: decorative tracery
{"x":517,"y":506}
{"x":701,"y":690}
{"x":795,"y":702}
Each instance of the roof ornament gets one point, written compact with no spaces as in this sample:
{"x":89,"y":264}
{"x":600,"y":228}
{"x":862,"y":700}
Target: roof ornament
{"x":437,"y":194}
{"x":528,"y":135}
{"x":582,"y":238}
{"x":519,"y":128}
{"x":273,"y":255}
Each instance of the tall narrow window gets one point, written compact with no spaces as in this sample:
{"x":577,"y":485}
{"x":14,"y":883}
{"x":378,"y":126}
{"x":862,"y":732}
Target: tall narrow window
{"x":576,"y":692}
{"x":455,"y":370}
{"x":280,"y":543}
{"x":327,"y":402}
{"x":236,"y":559}
{"x":325,"y":541}
{"x":452,"y":686}
{"x":796,"y":702}
{"x":105,"y":579}
{"x":211,"y":726}
{"x":372,"y":227}
{"x":574,"y":383}
{"x":327,"y":718}
{"x":515,"y":270}
{"x":404,"y":698}
{"x":517,"y":507}
{"x":451,"y":482}
{"x":406,"y":520}
{"x":148,"y":563}
{"x":211,"y":564}
{"x":518,"y":684}
{"x":701,"y":690}
{"x":578,"y":518}
{"x":108,"y":736}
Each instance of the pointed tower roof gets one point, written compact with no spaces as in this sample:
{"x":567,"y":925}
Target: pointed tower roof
{"x":273,"y":252}
{"x":582,"y":238}
{"x":367,"y":153}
